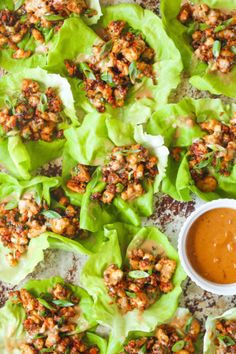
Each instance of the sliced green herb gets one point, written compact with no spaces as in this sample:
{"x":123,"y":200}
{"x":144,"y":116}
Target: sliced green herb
{"x":39,"y":335}
{"x":216,"y":48}
{"x":43,"y":105}
{"x":133,"y":72}
{"x":178,"y":346}
{"x":223,"y":25}
{"x":203,"y":26}
{"x":130,"y":174}
{"x":45,"y":304}
{"x":47,"y":350}
{"x":106,"y":48}
{"x":138,"y":274}
{"x":233,"y":49}
{"x":218,"y":165}
{"x":87,"y":71}
{"x":43,"y":313}
{"x":119,"y":187}
{"x":131,"y":294}
{"x":180,"y":333}
{"x":18,"y":4}
{"x":53,"y":17}
{"x":192,"y":28}
{"x":226,"y":340}
{"x":10,"y":103}
{"x":51,"y":214}
{"x":47,"y":33}
{"x":108,"y":78}
{"x":63,"y":303}
{"x":188,"y":324}
{"x":143,"y":349}
{"x":127,"y":151}
{"x":11,"y":205}
{"x":206,"y":161}
{"x":55,"y":205}
{"x":23,"y":18}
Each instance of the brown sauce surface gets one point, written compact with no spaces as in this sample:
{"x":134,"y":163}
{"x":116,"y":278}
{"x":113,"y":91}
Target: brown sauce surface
{"x":211,"y":245}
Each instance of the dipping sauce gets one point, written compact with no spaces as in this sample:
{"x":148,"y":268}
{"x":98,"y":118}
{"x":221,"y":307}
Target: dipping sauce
{"x":211,"y":245}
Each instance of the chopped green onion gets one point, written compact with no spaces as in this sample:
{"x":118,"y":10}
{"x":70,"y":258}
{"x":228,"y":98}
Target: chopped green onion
{"x":178,"y":346}
{"x":138,"y":274}
{"x":63,"y":303}
{"x":216,"y":48}
{"x":87,"y":71}
{"x":51,"y":214}
{"x":106,"y":48}
{"x":131,"y":294}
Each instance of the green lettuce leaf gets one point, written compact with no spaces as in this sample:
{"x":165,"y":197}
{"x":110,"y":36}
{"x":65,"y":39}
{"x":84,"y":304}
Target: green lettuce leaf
{"x":21,"y":158}
{"x":116,"y":345}
{"x":94,"y":5}
{"x":200,"y":76}
{"x":210,"y":334}
{"x":12,"y":333}
{"x":40,"y":52}
{"x":90,"y":144}
{"x":10,"y":193}
{"x":118,"y":240}
{"x":178,"y":123}
{"x":167,"y":62}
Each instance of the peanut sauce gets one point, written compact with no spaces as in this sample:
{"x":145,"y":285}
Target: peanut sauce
{"x":211,"y":245}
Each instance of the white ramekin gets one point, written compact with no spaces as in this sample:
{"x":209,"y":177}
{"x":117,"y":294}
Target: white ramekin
{"x":219,"y":289}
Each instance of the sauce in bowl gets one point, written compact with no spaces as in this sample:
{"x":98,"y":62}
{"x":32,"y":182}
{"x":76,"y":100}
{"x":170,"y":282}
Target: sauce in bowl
{"x":211,"y":245}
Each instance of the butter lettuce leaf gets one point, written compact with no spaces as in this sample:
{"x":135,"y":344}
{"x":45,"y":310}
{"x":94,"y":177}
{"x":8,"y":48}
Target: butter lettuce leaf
{"x":12,"y":333}
{"x":200,"y":75}
{"x":118,"y":240}
{"x":10,"y":192}
{"x":40,"y":52}
{"x":209,"y":346}
{"x":22,"y":158}
{"x":90,"y":144}
{"x":178,"y":123}
{"x":116,"y":344}
{"x":168,"y":65}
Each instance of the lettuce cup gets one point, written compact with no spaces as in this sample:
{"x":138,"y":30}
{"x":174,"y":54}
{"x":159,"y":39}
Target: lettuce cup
{"x":35,"y":108}
{"x":220,"y":333}
{"x":201,"y":137}
{"x":203,"y":31}
{"x":49,"y":315}
{"x":121,"y":61}
{"x":29,"y":30}
{"x":135,"y":279}
{"x":181,"y":334}
{"x":112,"y":169}
{"x":36,"y":215}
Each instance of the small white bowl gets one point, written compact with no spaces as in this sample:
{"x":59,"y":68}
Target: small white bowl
{"x":219,"y":289}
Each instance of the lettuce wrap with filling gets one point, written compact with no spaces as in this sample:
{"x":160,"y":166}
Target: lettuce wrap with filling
{"x":90,"y":145}
{"x":182,"y":321}
{"x":39,"y":50}
{"x":167,"y":62}
{"x":119,"y":240}
{"x":200,"y":75}
{"x":39,"y":190}
{"x":12,"y":332}
{"x":180,"y":125}
{"x":23,"y":156}
{"x":211,"y":332}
